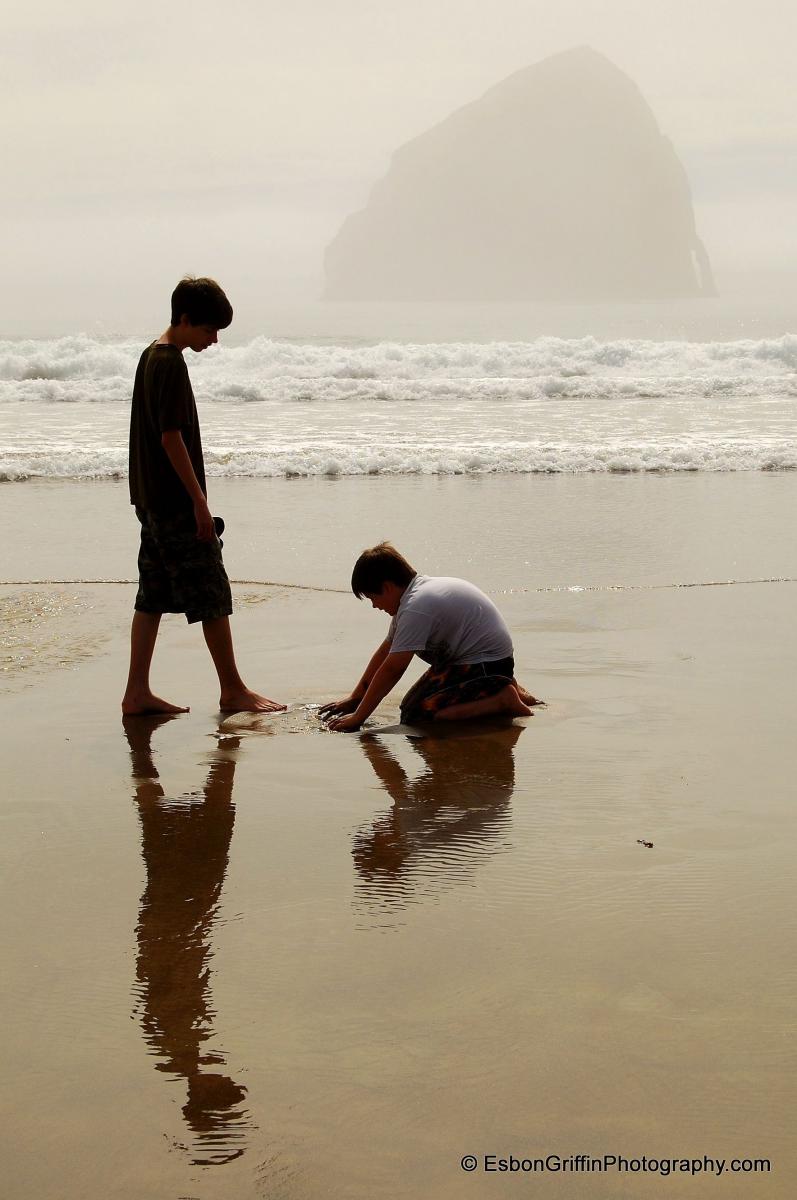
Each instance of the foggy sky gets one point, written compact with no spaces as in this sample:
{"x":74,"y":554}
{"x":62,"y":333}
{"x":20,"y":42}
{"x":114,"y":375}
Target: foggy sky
{"x":141,"y":142}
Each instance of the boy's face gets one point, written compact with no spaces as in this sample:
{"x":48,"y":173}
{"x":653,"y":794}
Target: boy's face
{"x":198,"y":337}
{"x":202,"y":336}
{"x":387,"y":600}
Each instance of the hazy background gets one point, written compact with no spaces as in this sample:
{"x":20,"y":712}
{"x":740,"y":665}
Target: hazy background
{"x":139,"y":143}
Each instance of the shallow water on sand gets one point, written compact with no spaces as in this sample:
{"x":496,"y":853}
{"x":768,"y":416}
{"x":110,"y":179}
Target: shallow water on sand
{"x":502,"y":532}
{"x":245,"y":961}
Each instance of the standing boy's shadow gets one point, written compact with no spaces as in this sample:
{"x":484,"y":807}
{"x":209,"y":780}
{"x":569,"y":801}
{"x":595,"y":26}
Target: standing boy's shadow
{"x":444,"y":819}
{"x":185,"y":845}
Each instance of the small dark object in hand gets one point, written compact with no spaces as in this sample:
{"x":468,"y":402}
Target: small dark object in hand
{"x":218,"y":525}
{"x":642,"y":842}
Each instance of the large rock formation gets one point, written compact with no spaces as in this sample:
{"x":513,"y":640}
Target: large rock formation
{"x":556,"y":184}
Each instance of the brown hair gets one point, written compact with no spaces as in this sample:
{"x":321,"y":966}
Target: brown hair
{"x":202,"y":301}
{"x":380,"y":565}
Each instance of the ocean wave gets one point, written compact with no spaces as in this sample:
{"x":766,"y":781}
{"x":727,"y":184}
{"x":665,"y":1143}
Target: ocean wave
{"x":341,"y":390}
{"x":331,"y":460}
{"x":67,"y":358}
{"x":277,"y":409}
{"x":250,"y":370}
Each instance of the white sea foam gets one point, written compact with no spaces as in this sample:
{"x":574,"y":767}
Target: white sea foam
{"x":81,"y":358}
{"x":276,"y":408}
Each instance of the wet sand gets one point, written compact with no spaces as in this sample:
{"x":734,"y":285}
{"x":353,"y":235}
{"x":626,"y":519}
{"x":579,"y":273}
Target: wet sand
{"x":265,"y":960}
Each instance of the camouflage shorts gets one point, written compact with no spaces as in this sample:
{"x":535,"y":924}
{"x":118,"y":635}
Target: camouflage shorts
{"x":178,"y":573}
{"x":443,"y":687}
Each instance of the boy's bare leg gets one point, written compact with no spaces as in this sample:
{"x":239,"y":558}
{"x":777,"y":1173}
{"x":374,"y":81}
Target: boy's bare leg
{"x":506,"y":702}
{"x":235,"y":695}
{"x":139,"y":699}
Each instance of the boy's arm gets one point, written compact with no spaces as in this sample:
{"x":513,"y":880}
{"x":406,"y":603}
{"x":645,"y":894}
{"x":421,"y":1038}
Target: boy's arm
{"x":177,"y":454}
{"x":337,"y":707}
{"x":385,"y":679}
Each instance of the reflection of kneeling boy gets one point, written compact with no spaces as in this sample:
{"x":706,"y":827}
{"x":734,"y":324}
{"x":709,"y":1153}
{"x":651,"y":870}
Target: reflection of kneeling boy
{"x":448,"y":623}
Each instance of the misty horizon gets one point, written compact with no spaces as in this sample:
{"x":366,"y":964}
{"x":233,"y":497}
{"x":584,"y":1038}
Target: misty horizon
{"x":236,"y":146}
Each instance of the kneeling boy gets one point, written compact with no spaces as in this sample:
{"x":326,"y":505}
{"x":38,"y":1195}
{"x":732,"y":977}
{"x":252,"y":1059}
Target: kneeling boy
{"x":448,"y":623}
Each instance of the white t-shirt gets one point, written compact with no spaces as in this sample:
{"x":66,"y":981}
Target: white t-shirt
{"x":448,"y":622}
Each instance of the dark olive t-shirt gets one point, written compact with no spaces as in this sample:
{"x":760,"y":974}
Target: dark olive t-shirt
{"x":162,"y":399}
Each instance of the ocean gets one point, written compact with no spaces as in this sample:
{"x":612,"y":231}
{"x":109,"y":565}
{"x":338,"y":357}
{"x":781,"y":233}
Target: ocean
{"x":701,"y":387}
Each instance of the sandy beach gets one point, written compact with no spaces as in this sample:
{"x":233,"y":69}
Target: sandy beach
{"x":257,"y":959}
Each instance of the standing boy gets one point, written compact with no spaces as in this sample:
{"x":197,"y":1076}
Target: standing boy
{"x":180,"y":564}
{"x":451,"y":625}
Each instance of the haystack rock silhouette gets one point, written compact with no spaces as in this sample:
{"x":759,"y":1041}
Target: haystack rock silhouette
{"x":557,"y":184}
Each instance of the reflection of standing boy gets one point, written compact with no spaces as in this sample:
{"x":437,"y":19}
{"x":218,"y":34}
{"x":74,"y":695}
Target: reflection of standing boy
{"x":185,"y":846}
{"x":180,"y":564}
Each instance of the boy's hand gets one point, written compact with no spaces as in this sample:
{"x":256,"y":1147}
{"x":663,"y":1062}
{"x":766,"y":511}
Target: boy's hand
{"x":336,"y":708}
{"x":204,"y":521}
{"x":344,"y":724}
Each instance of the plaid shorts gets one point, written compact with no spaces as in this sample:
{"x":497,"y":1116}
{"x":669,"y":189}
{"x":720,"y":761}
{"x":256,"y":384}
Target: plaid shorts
{"x":443,"y":687}
{"x":177,"y":573}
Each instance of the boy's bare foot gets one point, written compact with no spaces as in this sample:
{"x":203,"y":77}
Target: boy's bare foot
{"x":144,"y":704}
{"x":507,"y":702}
{"x":246,"y":701}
